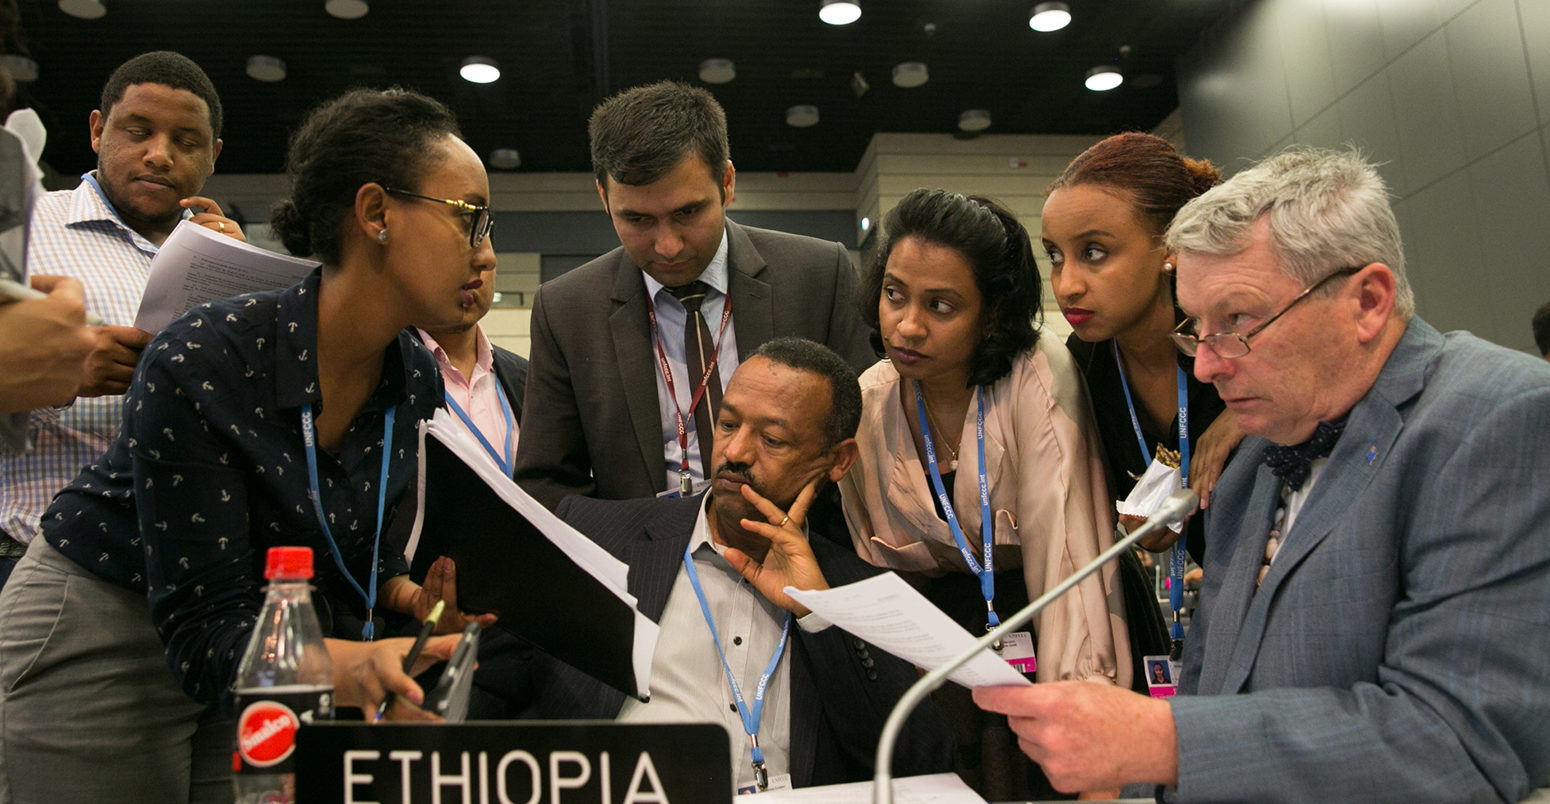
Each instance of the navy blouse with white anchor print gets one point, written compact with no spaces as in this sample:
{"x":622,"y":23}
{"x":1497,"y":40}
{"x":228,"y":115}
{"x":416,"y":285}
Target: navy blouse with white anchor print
{"x":209,"y":471}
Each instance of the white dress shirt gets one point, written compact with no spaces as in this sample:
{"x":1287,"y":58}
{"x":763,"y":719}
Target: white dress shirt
{"x":688,"y":683}
{"x":671,"y":316}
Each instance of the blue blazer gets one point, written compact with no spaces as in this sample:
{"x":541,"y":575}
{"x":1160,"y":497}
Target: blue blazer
{"x":1399,"y":649}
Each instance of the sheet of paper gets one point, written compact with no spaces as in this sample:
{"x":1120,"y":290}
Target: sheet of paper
{"x":887,"y":612}
{"x":197,"y":264}
{"x":939,"y":788}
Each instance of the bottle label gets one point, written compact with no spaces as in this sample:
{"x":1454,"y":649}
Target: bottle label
{"x":267,"y":724}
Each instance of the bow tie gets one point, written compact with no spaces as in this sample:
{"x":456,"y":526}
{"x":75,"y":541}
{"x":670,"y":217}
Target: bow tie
{"x":1291,"y":463}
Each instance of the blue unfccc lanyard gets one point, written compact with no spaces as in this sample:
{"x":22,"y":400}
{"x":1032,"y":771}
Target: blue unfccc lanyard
{"x":986,"y":574}
{"x":751,"y":715}
{"x":505,"y":465}
{"x":1177,"y":556}
{"x":308,"y":440}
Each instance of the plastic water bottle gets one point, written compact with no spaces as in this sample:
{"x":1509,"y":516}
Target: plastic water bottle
{"x":285,"y":680}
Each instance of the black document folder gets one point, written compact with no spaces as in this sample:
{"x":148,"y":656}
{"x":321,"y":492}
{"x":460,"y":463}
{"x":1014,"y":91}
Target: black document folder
{"x":510,"y":562}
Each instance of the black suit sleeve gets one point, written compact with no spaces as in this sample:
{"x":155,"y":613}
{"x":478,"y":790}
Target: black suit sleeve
{"x":847,"y":334}
{"x":552,"y":459}
{"x":857,"y":686}
{"x":511,"y":371}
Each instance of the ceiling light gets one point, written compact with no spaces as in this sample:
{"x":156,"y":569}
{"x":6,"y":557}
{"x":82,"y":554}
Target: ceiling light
{"x":22,"y":68}
{"x":840,"y":12}
{"x":974,"y":120}
{"x":858,"y":84}
{"x":717,"y":71}
{"x":910,"y":74}
{"x":802,"y":116}
{"x":346,"y":9}
{"x":480,"y":70}
{"x":505,"y":159}
{"x":1104,"y":78}
{"x":266,"y":68}
{"x":85,"y":9}
{"x":1047,"y":17}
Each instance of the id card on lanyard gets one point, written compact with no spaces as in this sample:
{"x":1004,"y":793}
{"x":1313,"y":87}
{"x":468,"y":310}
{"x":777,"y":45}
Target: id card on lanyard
{"x":685,"y":483}
{"x":750,"y":714}
{"x":1178,"y":554}
{"x":1020,"y":644}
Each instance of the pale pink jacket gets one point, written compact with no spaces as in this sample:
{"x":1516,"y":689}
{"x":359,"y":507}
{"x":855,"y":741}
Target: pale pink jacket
{"x":1047,"y":493}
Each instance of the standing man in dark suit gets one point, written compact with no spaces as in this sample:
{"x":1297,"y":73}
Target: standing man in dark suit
{"x":632,"y":351}
{"x":1372,"y":622}
{"x":711,"y":570}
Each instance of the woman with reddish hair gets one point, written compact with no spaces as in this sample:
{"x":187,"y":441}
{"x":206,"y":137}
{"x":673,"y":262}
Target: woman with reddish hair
{"x":1103,"y":222}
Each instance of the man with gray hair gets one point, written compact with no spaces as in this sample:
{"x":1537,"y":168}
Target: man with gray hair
{"x":1373,"y":624}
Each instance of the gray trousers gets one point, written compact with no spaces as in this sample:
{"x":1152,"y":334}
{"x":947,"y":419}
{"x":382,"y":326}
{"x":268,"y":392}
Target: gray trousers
{"x":88,"y":709}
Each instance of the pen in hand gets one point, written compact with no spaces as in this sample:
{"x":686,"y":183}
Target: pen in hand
{"x":426,"y":629}
{"x":16,"y":291}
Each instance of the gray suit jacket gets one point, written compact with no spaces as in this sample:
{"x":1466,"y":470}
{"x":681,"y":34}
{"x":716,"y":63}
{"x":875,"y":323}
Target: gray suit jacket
{"x":591,"y":424}
{"x":1399,"y":649}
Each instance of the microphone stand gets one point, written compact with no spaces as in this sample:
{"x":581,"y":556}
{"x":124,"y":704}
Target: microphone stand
{"x":1179,"y":505}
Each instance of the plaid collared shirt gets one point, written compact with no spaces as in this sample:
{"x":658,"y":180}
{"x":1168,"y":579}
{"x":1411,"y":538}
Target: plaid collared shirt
{"x":74,"y":233}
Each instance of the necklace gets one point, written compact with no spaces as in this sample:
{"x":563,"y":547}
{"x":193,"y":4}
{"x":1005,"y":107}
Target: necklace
{"x":952,"y":464}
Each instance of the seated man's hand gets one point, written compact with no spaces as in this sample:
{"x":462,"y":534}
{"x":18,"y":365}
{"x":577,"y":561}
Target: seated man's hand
{"x":790,"y":560}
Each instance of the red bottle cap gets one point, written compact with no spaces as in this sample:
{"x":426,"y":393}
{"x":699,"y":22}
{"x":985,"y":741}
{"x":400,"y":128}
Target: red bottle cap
{"x":289,"y":563}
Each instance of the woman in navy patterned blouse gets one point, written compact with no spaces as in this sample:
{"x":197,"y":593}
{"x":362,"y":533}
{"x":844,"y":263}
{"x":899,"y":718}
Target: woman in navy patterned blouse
{"x":236,"y":411}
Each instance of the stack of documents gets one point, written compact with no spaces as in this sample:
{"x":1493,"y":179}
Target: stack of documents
{"x":197,"y":264}
{"x":547,"y":583}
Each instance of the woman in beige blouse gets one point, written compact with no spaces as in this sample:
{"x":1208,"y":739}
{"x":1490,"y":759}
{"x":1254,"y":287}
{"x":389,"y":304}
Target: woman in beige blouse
{"x":953,"y":294}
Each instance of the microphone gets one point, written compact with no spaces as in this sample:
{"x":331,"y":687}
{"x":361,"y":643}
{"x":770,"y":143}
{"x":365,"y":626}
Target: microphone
{"x":1173,"y":510}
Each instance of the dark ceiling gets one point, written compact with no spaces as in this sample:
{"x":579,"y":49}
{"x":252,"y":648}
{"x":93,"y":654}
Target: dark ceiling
{"x":560,"y":57}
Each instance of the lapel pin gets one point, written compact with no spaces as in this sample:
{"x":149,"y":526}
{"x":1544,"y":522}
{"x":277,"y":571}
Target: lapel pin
{"x":1372,"y":454}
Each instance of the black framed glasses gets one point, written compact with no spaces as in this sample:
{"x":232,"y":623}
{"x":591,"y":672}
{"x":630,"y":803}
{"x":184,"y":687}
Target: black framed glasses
{"x":1232,"y":345}
{"x":480,"y":222}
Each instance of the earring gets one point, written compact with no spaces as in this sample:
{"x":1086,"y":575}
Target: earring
{"x":382,"y":236}
{"x":1167,"y":267}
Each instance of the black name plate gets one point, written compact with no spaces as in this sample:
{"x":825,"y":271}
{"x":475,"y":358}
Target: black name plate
{"x":554,"y":762}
